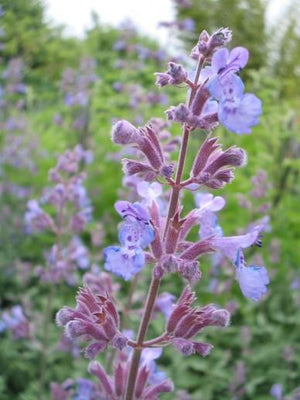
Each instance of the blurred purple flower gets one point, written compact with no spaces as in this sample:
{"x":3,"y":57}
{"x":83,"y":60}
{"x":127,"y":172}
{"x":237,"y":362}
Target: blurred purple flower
{"x":164,"y":303}
{"x":277,"y":391}
{"x":16,"y":323}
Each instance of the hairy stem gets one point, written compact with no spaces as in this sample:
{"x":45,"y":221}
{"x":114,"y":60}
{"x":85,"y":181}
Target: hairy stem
{"x":152,"y":293}
{"x":183,"y":150}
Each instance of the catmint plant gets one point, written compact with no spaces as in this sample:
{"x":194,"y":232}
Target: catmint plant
{"x":77,"y":88}
{"x":64,"y":210}
{"x":157,"y":237}
{"x":73,"y":211}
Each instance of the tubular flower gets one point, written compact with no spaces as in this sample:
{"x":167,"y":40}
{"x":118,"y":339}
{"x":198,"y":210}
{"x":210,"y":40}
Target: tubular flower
{"x":135,"y":233}
{"x":252,"y":279}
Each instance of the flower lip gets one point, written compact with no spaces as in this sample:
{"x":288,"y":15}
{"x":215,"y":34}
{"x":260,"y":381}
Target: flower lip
{"x":252,"y":279}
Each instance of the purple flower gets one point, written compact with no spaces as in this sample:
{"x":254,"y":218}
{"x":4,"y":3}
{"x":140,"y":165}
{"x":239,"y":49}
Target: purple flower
{"x":252,"y":279}
{"x":188,"y":24}
{"x":208,"y":205}
{"x":85,"y":389}
{"x":147,"y":361}
{"x":207,"y":44}
{"x":231,"y":245}
{"x":136,"y":210}
{"x":36,"y":219}
{"x":276,"y":391}
{"x":123,"y":262}
{"x":185,"y":321}
{"x":16,"y":322}
{"x":224,"y":61}
{"x":238,"y":112}
{"x":164,"y":303}
{"x":61,"y":392}
{"x":78,"y":253}
{"x":150,"y":192}
{"x":134,"y":234}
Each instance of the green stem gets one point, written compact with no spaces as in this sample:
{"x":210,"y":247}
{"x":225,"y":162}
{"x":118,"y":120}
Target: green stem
{"x":45,"y":341}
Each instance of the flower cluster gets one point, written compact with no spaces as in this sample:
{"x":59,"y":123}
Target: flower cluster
{"x":146,"y":140}
{"x":63,"y":262}
{"x":73,"y":211}
{"x":96,"y":318}
{"x":126,"y":44}
{"x":17,"y":149}
{"x":185,"y":322}
{"x":68,"y":189}
{"x":77,"y":86}
{"x":219,"y":95}
{"x":150,"y":383}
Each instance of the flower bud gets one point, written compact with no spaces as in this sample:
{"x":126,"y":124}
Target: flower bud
{"x":169,"y":263}
{"x":94,"y":349}
{"x":96,"y":369}
{"x":75,"y":329}
{"x":190,"y":271}
{"x":232,"y":157}
{"x":220,"y":38}
{"x":220,"y":318}
{"x":167,"y":170}
{"x":175,"y":75}
{"x":124,"y":132}
{"x":162,"y":79}
{"x":179,"y":113}
{"x":204,"y":36}
{"x":64,"y":316}
{"x":163,"y":387}
{"x":203,"y":348}
{"x":119,"y":341}
{"x":183,"y":346}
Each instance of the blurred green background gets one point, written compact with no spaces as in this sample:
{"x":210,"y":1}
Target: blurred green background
{"x":262,"y":345}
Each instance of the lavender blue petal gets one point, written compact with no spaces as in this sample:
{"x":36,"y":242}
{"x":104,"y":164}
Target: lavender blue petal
{"x":252,"y":279}
{"x":240,"y":116}
{"x":122,"y":262}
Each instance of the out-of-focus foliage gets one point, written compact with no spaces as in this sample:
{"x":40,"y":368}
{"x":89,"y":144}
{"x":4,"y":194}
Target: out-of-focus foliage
{"x":262,"y":345}
{"x":42,"y":47}
{"x":274,"y":44}
{"x":245,"y":18}
{"x":285,"y":43}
